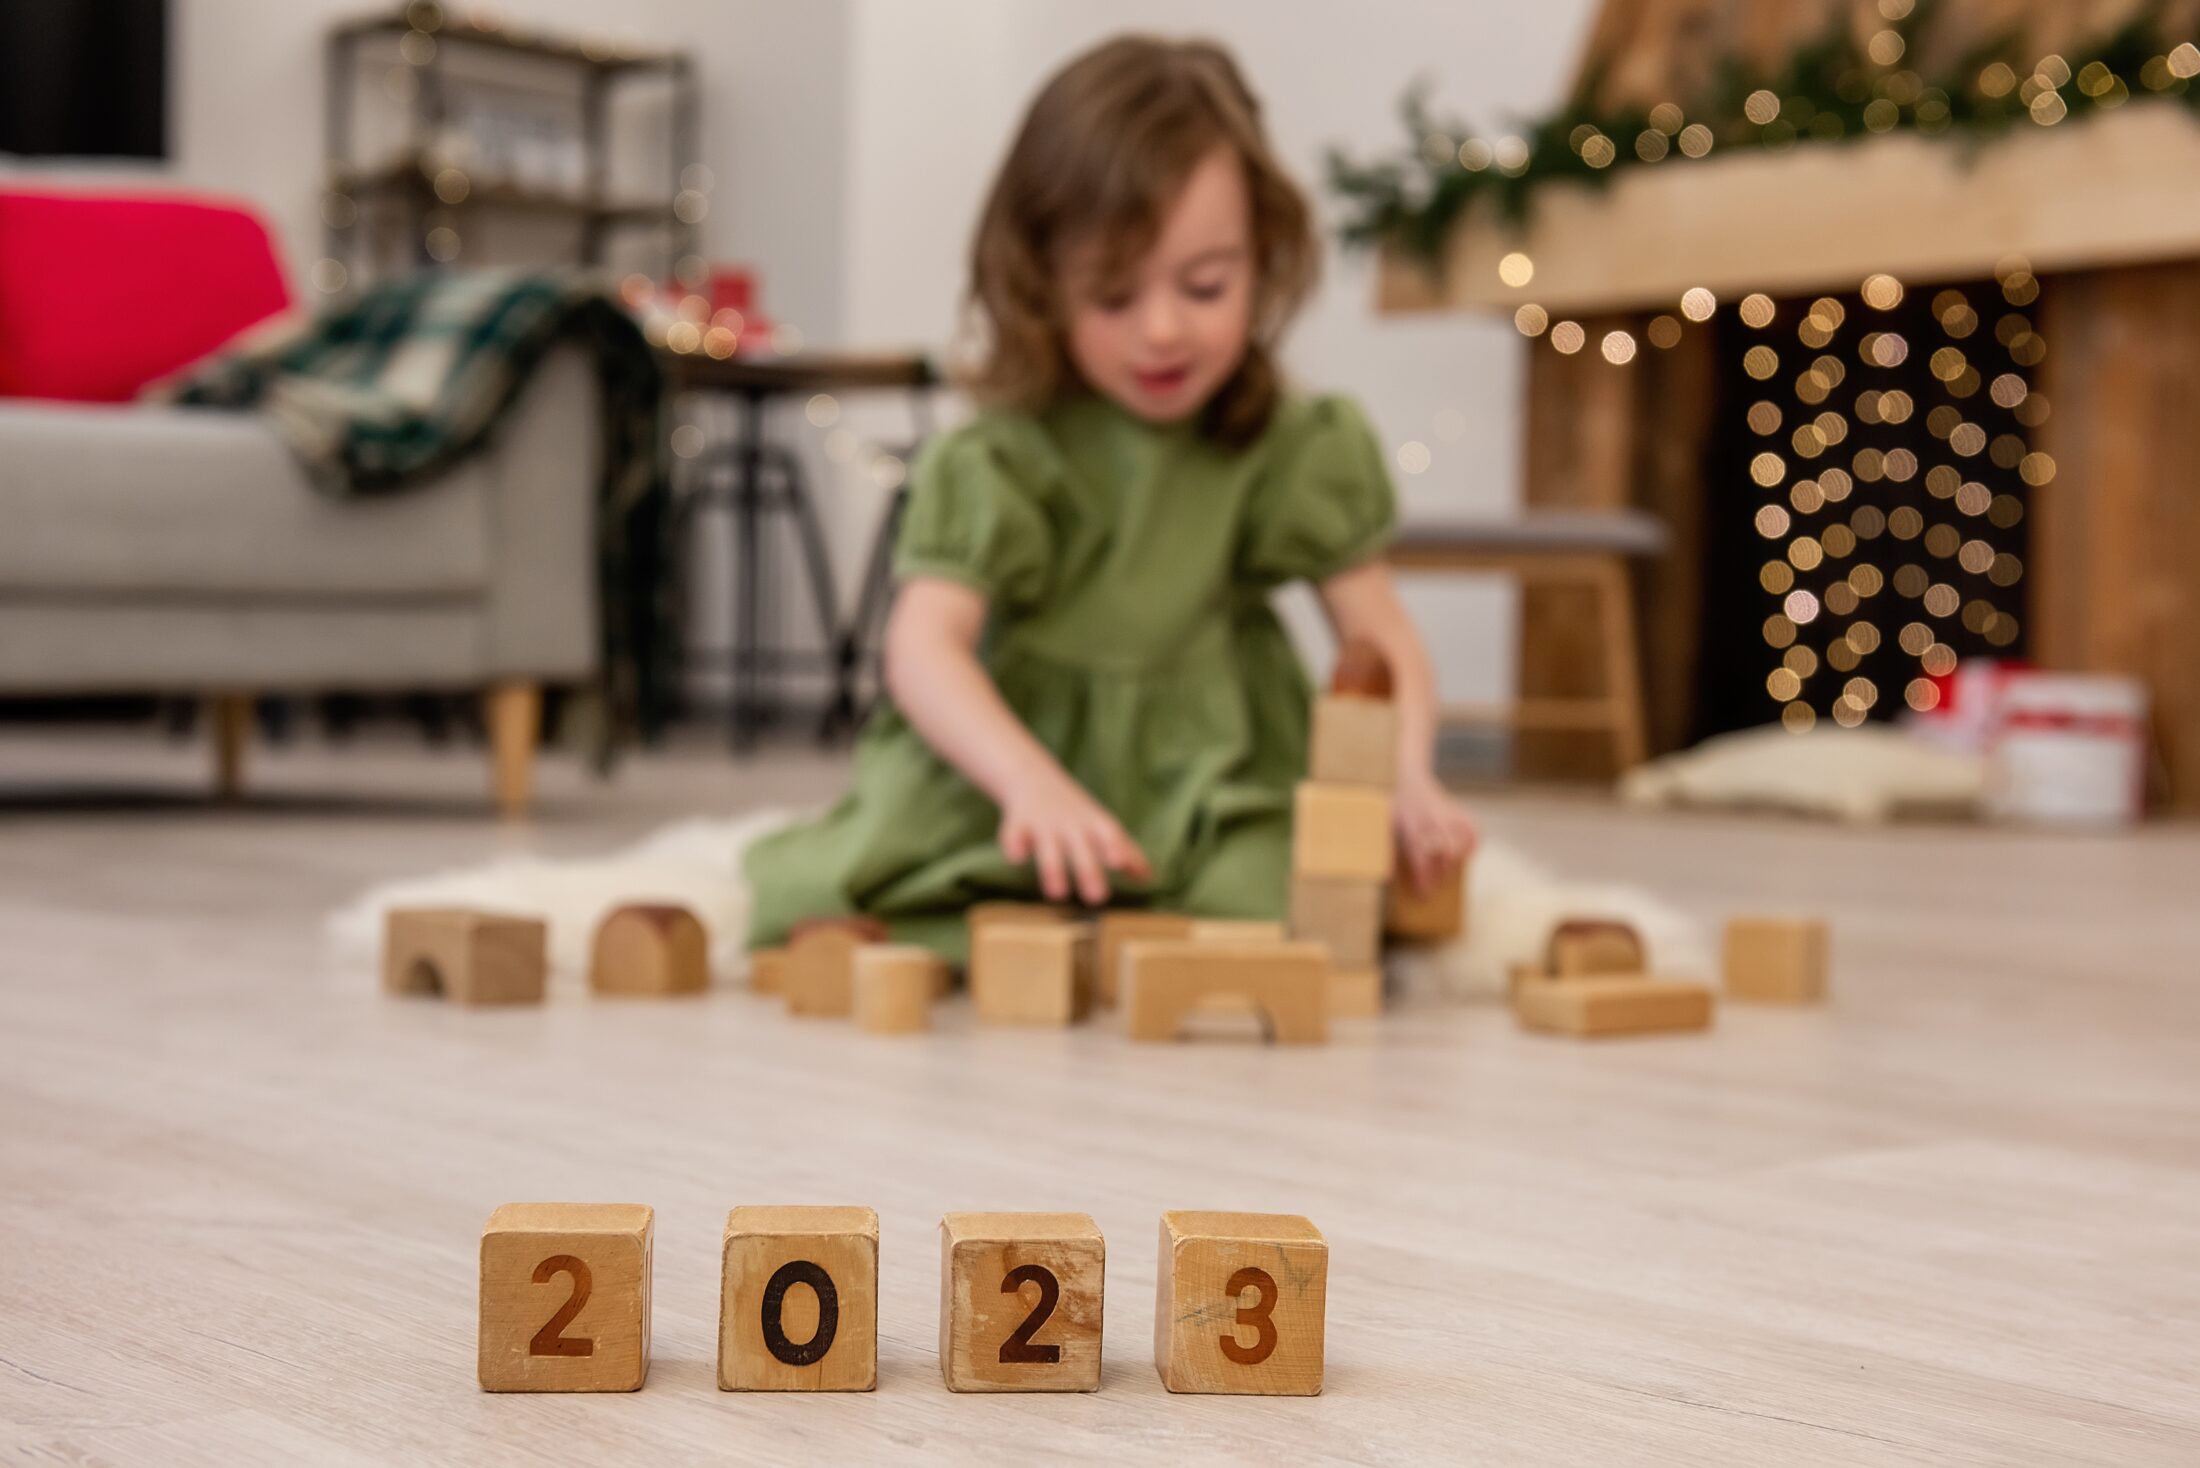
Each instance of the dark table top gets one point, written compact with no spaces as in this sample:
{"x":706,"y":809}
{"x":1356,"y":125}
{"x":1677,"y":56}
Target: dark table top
{"x":806,"y":372}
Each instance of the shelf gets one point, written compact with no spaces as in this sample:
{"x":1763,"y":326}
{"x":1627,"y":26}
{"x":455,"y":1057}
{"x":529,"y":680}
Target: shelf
{"x":464,"y":31}
{"x":409,"y":177}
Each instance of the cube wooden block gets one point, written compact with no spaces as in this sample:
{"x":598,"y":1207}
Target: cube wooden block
{"x":1288,"y":983}
{"x":1775,"y":958}
{"x":1120,"y":927}
{"x":1611,"y":1006}
{"x":1241,"y":1303}
{"x":466,"y":956}
{"x":1020,"y":1302}
{"x":768,"y":971}
{"x":1586,"y":947}
{"x":1355,"y":993}
{"x":982,"y":915}
{"x":1341,"y":831}
{"x":1361,"y":670}
{"x":1037,"y":975}
{"x":798,"y":1300}
{"x":565,"y":1297}
{"x":1437,"y":914}
{"x":651,"y":948}
{"x":1354,"y":742}
{"x":1343,"y":914}
{"x":820,"y":975}
{"x":895,"y":986}
{"x":1237,"y":930}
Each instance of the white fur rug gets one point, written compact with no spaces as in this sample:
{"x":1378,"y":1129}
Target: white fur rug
{"x":1513,"y":903}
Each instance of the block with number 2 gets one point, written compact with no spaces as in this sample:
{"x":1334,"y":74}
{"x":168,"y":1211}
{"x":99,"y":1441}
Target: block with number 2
{"x":1241,"y":1303}
{"x":565,"y":1297}
{"x":1020,"y":1302}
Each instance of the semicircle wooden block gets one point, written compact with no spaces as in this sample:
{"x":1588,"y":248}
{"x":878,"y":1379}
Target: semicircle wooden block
{"x":1585,"y":947}
{"x":650,"y":948}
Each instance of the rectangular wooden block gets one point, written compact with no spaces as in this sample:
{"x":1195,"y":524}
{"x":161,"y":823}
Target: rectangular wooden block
{"x":1237,"y":930}
{"x":1341,"y":831}
{"x":1586,"y":947}
{"x":1436,"y":915}
{"x":1355,"y":993}
{"x":650,"y":948}
{"x":798,"y":1300}
{"x":982,"y":915}
{"x":1775,"y":958}
{"x":1354,"y":741}
{"x":565,"y":1297}
{"x":1612,"y":1006}
{"x":1343,"y":914}
{"x":1123,"y":926}
{"x":465,"y":956}
{"x":1038,"y":975}
{"x":1020,"y":1302}
{"x":1164,"y":981}
{"x":1241,"y":1303}
{"x":895,"y":986}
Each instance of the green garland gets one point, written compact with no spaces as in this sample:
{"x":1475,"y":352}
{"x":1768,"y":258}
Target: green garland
{"x":1831,"y":90}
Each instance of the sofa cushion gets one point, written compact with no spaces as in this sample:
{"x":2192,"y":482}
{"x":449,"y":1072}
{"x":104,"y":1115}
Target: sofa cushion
{"x":102,"y":294}
{"x":149,"y":500}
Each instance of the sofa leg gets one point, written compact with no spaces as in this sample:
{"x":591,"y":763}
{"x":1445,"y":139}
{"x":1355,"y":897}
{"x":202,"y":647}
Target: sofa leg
{"x":514,"y":716}
{"x":231,"y":716}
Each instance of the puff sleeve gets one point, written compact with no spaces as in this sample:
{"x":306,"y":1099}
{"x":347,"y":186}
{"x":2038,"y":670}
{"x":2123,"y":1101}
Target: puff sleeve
{"x":1325,"y":502}
{"x":975,"y":517}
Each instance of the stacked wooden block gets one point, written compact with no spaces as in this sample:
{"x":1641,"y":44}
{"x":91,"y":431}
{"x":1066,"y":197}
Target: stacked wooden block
{"x":1341,"y":842}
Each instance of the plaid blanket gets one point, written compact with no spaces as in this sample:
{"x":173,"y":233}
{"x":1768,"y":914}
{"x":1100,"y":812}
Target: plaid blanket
{"x":416,"y":373}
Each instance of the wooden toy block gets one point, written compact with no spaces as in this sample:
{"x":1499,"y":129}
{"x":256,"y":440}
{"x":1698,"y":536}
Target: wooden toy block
{"x":1586,"y":947}
{"x":1436,"y":915}
{"x":650,"y":948}
{"x":1240,"y":1304}
{"x":1343,"y":914}
{"x":565,"y":1297}
{"x":895,"y":986}
{"x":1354,"y":741}
{"x":1355,"y":993}
{"x":768,"y":971}
{"x":1020,"y":1302}
{"x":465,"y":956}
{"x":1612,"y":1006}
{"x":1341,"y":831}
{"x":798,"y":1302}
{"x":1236,"y":930}
{"x":1040,"y":975}
{"x":1775,"y":958}
{"x":1361,"y":670}
{"x":1016,"y":914}
{"x":1288,"y":983}
{"x":820,"y":976}
{"x":1122,"y":926}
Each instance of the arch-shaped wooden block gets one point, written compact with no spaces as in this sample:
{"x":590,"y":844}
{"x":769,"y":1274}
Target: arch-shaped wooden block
{"x":1165,"y":981}
{"x":465,"y":956}
{"x":650,"y":948}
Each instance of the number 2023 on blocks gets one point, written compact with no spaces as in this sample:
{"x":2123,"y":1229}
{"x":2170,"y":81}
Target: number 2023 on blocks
{"x":1240,"y":1306}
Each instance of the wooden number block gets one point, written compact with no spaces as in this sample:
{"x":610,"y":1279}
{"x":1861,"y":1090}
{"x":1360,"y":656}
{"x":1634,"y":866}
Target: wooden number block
{"x":1354,"y":742}
{"x":1241,"y":1304}
{"x":1621,"y":1006}
{"x":1039,"y":975}
{"x":650,"y":948}
{"x":565,"y":1297}
{"x":1288,"y":983}
{"x":1586,"y":947}
{"x":1020,"y":1302}
{"x":1341,"y":831}
{"x":821,"y":964}
{"x":1343,"y":914}
{"x":1435,"y":915}
{"x":895,"y":986}
{"x":798,"y":1301}
{"x":1122,"y":927}
{"x":1776,"y":958}
{"x":768,"y":971}
{"x":465,"y":956}
{"x":1355,"y":993}
{"x":1236,"y":930}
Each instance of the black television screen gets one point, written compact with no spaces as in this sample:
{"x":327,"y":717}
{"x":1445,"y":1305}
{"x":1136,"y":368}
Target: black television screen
{"x":84,"y":78}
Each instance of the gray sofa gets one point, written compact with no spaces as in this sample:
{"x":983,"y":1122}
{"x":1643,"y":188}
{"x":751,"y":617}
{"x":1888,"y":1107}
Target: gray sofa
{"x":158,"y":549}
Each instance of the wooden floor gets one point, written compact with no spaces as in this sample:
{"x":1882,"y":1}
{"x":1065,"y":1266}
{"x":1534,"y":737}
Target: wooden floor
{"x":1954,"y":1216}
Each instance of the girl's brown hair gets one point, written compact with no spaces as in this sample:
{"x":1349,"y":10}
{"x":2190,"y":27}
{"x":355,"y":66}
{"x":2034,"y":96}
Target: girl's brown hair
{"x":1103,"y":151}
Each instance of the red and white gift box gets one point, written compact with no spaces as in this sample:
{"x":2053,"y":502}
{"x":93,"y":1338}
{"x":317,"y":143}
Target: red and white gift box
{"x":2067,"y":749}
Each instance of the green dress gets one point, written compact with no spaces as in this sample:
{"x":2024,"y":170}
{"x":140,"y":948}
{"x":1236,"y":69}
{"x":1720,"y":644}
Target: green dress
{"x":1127,"y":569}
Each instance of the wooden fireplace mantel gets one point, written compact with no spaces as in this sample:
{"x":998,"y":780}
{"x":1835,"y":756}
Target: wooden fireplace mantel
{"x":2114,"y":189}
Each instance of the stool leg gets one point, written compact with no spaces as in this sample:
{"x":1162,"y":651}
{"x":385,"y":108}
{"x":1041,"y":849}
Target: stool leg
{"x":514,"y":710}
{"x":232,"y":720}
{"x":1622,"y":664}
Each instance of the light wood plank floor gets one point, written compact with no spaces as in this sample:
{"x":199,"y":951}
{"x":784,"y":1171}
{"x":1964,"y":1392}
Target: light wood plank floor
{"x":1952,"y":1216}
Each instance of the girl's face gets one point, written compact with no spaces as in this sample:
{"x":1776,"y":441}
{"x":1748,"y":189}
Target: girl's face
{"x":1163,"y":339}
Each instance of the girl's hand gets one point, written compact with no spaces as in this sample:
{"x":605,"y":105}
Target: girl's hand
{"x":1435,"y":833}
{"x":1048,"y":818}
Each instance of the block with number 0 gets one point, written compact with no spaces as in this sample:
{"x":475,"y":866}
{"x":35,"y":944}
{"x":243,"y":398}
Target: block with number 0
{"x":1241,"y":1303}
{"x":565,"y":1297}
{"x":1020,"y":1302}
{"x":798,"y":1302}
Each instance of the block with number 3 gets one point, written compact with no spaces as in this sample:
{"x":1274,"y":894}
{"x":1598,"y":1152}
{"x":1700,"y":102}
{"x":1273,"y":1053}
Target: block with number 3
{"x":565,"y":1297}
{"x":1020,"y":1302}
{"x":1241,"y":1303}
